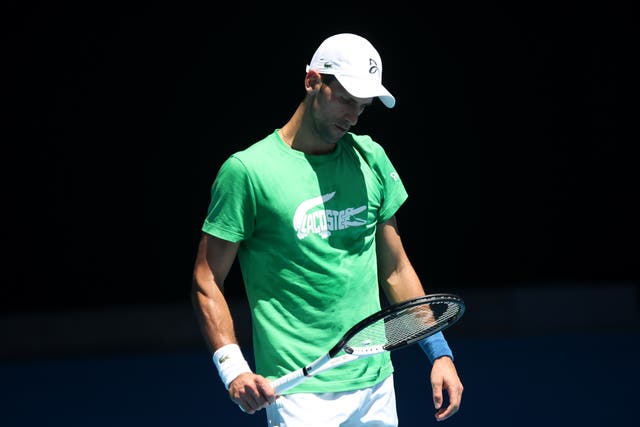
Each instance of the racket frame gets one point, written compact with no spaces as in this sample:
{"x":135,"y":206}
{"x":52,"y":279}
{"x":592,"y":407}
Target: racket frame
{"x":329,"y":360}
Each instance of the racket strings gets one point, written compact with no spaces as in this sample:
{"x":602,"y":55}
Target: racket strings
{"x":372,"y":336}
{"x":405,"y":326}
{"x":416,"y":322}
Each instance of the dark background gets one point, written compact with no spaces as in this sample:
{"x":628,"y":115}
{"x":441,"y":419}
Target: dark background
{"x":512,"y":132}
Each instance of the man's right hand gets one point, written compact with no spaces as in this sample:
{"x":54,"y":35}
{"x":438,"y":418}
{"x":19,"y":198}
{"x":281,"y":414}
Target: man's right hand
{"x":251,"y":392}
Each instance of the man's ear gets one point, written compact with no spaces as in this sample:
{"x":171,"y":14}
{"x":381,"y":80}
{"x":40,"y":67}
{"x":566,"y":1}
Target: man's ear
{"x":312,"y":81}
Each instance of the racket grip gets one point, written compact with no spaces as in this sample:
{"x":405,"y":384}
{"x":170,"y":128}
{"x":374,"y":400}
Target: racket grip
{"x":285,"y":382}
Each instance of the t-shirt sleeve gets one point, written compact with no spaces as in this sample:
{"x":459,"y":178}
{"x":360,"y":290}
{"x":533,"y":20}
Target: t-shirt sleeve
{"x":231,"y":211}
{"x":394,"y":194}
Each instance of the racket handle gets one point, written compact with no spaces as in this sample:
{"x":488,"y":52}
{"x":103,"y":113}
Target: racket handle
{"x":294,"y":378}
{"x":285,"y":382}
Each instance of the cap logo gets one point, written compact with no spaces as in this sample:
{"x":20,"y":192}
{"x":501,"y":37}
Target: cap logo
{"x":328,"y":65}
{"x":374,"y":66}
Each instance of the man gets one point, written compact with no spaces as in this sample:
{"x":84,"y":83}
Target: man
{"x":310,"y":212}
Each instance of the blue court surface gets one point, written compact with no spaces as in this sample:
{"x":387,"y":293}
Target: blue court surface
{"x":569,"y":379}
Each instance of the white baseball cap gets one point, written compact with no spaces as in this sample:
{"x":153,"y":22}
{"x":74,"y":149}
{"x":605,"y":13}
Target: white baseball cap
{"x":355,"y":63}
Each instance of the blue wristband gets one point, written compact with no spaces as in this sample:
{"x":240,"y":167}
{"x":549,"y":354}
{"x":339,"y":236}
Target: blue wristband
{"x":435,"y":346}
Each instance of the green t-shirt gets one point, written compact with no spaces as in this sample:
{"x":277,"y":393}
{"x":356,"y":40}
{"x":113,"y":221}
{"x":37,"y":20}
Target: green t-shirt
{"x":307,"y":227}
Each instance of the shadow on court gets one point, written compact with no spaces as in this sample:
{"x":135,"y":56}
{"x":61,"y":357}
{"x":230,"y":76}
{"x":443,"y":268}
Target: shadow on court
{"x":574,"y":379}
{"x":546,"y":357}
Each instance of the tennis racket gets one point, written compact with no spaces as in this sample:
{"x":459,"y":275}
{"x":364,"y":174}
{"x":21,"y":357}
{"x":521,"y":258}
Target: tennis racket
{"x":394,"y":327}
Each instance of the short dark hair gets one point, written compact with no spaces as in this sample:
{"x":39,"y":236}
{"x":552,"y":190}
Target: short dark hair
{"x":327,"y":78}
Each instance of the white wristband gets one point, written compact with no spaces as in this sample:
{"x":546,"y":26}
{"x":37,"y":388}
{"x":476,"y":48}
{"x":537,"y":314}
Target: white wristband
{"x":230,"y":363}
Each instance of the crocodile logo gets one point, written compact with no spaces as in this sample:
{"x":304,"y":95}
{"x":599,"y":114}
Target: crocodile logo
{"x":324,"y":221}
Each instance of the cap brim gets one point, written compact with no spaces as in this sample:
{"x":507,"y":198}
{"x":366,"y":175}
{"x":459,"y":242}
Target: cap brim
{"x":362,"y":88}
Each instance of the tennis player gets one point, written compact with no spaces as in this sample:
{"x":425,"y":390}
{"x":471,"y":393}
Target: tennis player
{"x":310,"y":213}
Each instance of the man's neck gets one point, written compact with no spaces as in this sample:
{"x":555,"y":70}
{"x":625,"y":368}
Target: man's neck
{"x":298,"y":135}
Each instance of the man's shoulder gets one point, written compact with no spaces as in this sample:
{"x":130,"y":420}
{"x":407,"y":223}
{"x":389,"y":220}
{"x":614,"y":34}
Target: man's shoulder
{"x":364,"y":144}
{"x":257,"y":149}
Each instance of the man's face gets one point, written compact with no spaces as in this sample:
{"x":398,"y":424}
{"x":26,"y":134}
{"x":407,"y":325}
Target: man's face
{"x":336,"y":111}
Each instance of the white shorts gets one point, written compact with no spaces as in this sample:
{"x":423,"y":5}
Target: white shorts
{"x":371,"y":407}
